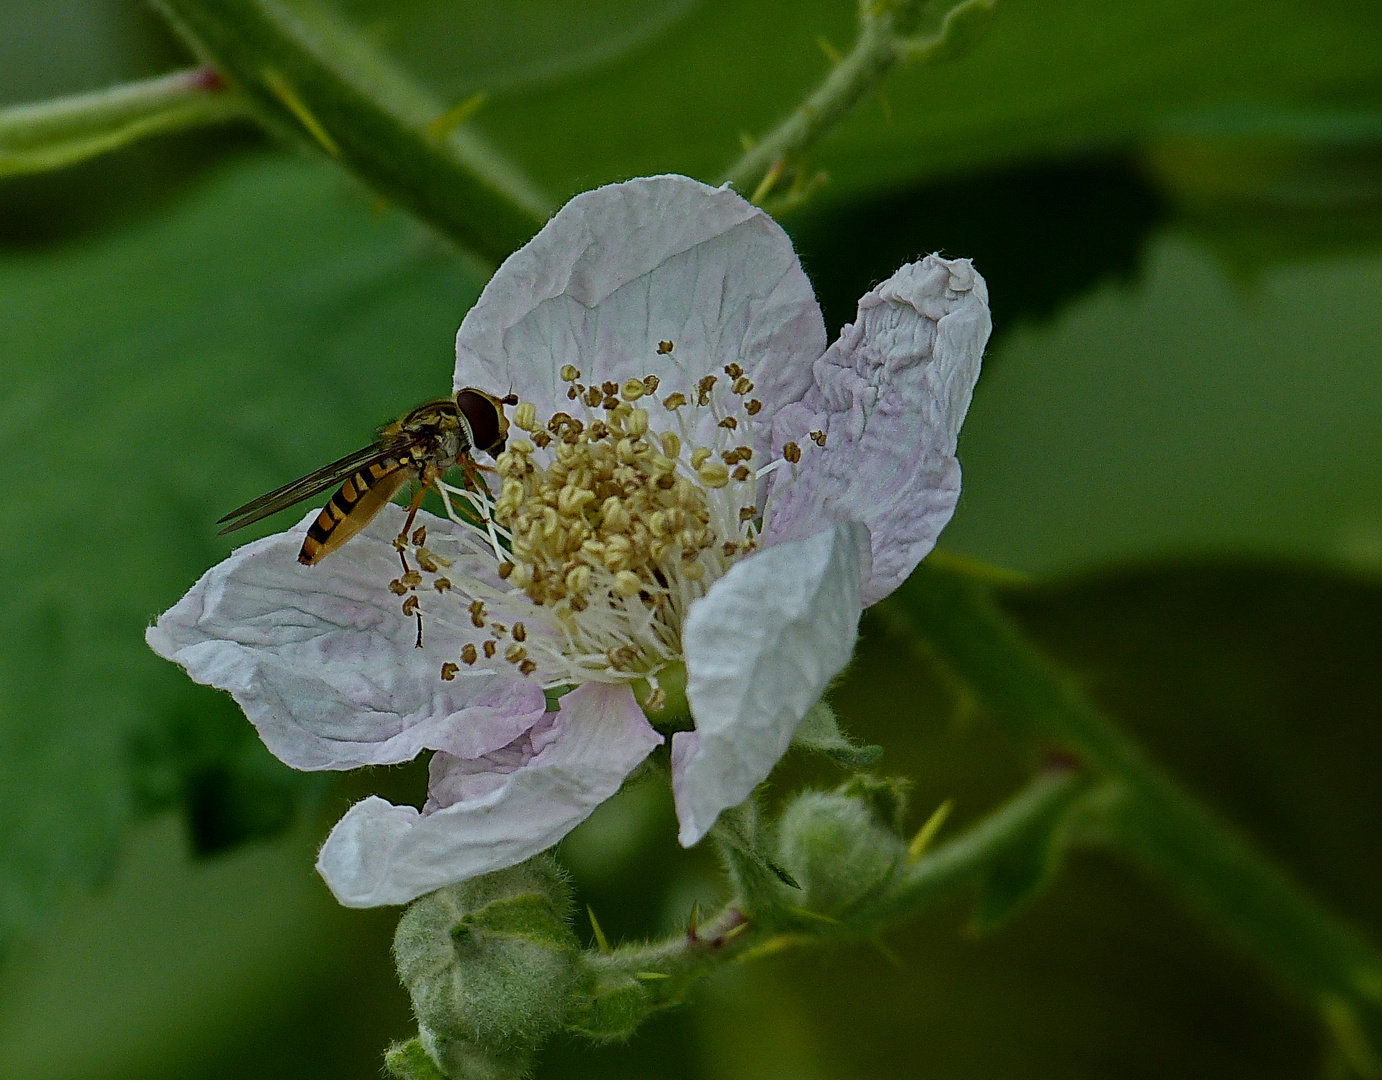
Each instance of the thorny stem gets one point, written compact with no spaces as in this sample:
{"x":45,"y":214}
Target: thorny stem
{"x":312,"y":76}
{"x":54,"y":134}
{"x":670,"y":966}
{"x":1214,"y":869}
{"x":880,"y":46}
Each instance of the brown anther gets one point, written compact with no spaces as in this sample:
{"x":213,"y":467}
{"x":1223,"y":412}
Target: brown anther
{"x":469,"y":655}
{"x":730,"y":549}
{"x":742,"y":473}
{"x":397,"y":587}
{"x":674,"y":401}
{"x":610,"y":403}
{"x":569,"y":373}
{"x":425,"y":560}
{"x":572,"y":393}
{"x":745,"y":453}
{"x":664,"y":347}
{"x":420,"y":536}
{"x":651,"y":383}
{"x":448,"y":671}
{"x":733,"y":370}
{"x":527,"y":667}
{"x":410,"y":606}
{"x":505,"y":569}
{"x":792,"y":452}
{"x":441,"y":584}
{"x":514,"y":653}
{"x":742,"y":386}
{"x":542,"y":440}
{"x":747,"y":513}
{"x":703,"y":390}
{"x":400,"y":543}
{"x":657,"y":700}
{"x":412,"y":579}
{"x":498,"y":629}
{"x":752,"y":406}
{"x":559,"y":420}
{"x":488,"y":649}
{"x":611,"y":389}
{"x":593,"y":396}
{"x":520,"y":632}
{"x":818,"y":437}
{"x":477,"y":613}
{"x":598,"y":430}
{"x":729,"y":422}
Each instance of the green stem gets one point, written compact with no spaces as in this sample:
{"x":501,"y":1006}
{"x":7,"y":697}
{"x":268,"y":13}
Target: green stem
{"x":667,"y":968}
{"x":309,"y":74}
{"x":879,"y":47}
{"x":1174,"y":837}
{"x":54,"y":134}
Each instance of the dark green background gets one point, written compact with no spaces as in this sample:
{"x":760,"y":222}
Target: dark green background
{"x":1178,"y":207}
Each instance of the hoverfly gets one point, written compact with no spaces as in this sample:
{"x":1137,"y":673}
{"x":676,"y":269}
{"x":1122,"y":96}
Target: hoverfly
{"x":420,"y":446}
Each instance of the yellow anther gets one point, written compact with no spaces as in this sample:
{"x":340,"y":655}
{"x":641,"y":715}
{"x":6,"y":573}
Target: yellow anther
{"x":632,"y":390}
{"x":627,"y":583}
{"x":514,"y":653}
{"x":578,"y":580}
{"x":614,"y":516}
{"x":713,"y":474}
{"x":569,"y":373}
{"x":674,"y":401}
{"x":520,"y":632}
{"x":637,"y":423}
{"x":700,"y":456}
{"x":572,"y":500}
{"x":521,"y":448}
{"x":671,"y":444}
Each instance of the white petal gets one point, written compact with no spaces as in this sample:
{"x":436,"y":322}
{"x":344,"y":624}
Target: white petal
{"x":761,"y":647}
{"x":624,"y":267}
{"x":507,"y":806}
{"x":890,"y":396}
{"x":323,"y":661}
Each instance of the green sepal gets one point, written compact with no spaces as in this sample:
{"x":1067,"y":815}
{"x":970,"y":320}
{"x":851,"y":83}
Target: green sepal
{"x":759,"y":880}
{"x":409,"y":1061}
{"x":609,"y":1007}
{"x":820,"y":732}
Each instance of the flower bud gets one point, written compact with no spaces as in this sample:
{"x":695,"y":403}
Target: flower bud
{"x":490,"y":965}
{"x":843,"y":846}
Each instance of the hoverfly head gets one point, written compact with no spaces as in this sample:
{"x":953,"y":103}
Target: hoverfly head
{"x":485,"y":419}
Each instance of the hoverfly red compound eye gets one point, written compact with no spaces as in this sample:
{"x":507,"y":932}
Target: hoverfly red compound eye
{"x":485,"y":415}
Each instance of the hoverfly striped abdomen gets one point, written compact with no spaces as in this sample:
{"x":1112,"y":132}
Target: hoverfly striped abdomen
{"x":355,"y":502}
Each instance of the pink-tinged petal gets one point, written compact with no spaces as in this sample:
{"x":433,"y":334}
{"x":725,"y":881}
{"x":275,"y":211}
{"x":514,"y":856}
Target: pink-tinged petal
{"x":890,"y":396}
{"x":493,"y":812}
{"x":761,"y":647}
{"x":324,"y":663}
{"x":624,"y":267}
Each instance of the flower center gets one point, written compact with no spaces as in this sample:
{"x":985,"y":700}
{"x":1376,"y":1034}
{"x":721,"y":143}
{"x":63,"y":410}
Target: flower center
{"x":610,"y":522}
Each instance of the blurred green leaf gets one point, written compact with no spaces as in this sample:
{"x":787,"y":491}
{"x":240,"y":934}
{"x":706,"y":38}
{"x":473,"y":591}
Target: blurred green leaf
{"x":155,"y":379}
{"x":1048,"y":77}
{"x":1191,"y":412}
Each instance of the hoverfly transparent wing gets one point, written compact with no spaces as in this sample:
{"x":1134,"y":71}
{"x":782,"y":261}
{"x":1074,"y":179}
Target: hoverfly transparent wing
{"x":314,"y":483}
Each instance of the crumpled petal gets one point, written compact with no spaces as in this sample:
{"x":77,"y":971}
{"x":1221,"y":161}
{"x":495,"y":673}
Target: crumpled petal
{"x":323,"y":662}
{"x":493,"y":812}
{"x":890,"y":395}
{"x":624,"y":267}
{"x":761,"y":647}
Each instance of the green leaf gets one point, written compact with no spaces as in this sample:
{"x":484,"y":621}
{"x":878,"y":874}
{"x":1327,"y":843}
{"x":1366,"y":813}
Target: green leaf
{"x":1047,"y":76}
{"x":155,"y":379}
